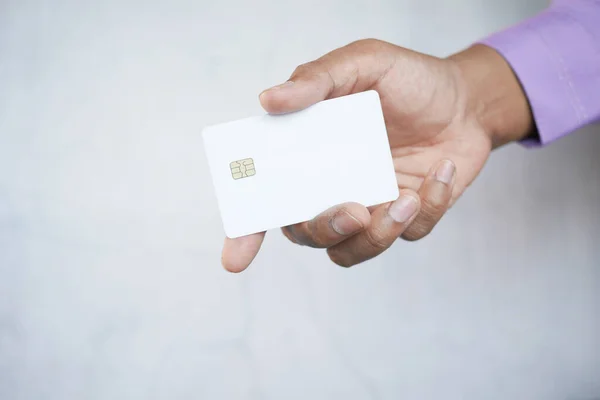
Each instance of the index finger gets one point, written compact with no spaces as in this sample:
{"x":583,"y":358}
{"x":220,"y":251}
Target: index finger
{"x":350,"y":69}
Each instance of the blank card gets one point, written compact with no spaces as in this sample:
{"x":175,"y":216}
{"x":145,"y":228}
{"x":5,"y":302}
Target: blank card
{"x":276,"y":170}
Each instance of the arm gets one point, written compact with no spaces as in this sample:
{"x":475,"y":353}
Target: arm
{"x":540,"y":80}
{"x":556,"y":57}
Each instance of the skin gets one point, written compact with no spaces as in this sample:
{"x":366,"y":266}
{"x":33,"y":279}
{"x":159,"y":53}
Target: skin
{"x":443,"y":117}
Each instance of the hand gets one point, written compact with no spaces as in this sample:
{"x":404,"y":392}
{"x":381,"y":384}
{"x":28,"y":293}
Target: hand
{"x":443,"y":117}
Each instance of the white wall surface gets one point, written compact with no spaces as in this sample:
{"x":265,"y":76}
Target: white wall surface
{"x":110,"y":278}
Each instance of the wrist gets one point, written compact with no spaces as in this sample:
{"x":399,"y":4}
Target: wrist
{"x":494,"y":95}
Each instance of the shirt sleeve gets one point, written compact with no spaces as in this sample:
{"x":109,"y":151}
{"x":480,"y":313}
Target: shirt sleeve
{"x":556,"y":57}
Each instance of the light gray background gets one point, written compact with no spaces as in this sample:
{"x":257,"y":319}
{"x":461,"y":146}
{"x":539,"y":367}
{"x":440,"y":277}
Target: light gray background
{"x":110,"y":278}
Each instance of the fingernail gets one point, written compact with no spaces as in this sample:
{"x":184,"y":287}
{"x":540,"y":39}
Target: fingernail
{"x":345,"y":224}
{"x":445,"y":172}
{"x":402,"y":209}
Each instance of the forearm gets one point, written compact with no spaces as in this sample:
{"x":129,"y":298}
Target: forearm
{"x":555,"y":59}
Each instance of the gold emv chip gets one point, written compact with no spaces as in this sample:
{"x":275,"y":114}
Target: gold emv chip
{"x":242,"y":168}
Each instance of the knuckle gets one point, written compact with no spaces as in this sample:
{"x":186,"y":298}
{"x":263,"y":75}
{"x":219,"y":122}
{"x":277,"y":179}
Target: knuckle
{"x":369,"y":42}
{"x":303,"y":69}
{"x":416,"y":232}
{"x":429,"y":215}
{"x":376,"y":240}
{"x":423,"y":224}
{"x":434,"y":205}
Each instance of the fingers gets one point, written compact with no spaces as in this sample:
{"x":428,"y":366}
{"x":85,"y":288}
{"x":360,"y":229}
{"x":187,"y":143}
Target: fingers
{"x":330,"y":227}
{"x":412,"y":216}
{"x":350,"y":69}
{"x":352,"y":233}
{"x":436,"y":195}
{"x":388,"y":221}
{"x":238,"y":253}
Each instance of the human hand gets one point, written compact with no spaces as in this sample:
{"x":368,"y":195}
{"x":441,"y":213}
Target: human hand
{"x":443,"y":117}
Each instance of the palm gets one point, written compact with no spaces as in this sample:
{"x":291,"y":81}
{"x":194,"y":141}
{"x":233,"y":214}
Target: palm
{"x":426,"y":121}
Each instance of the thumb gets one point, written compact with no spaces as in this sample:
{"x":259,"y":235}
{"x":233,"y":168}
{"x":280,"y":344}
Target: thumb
{"x":353,"y":68}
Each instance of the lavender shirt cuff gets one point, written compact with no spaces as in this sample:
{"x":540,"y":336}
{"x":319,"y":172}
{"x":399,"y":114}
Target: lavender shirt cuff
{"x":556,"y":57}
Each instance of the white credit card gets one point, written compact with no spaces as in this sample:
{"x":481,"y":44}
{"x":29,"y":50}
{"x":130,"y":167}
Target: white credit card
{"x":276,"y":170}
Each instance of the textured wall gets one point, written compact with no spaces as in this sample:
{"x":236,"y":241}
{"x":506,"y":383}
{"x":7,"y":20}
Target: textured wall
{"x":110,"y":278}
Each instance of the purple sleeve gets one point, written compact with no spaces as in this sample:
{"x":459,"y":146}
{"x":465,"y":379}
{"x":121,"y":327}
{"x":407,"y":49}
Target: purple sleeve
{"x":556,"y":56}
